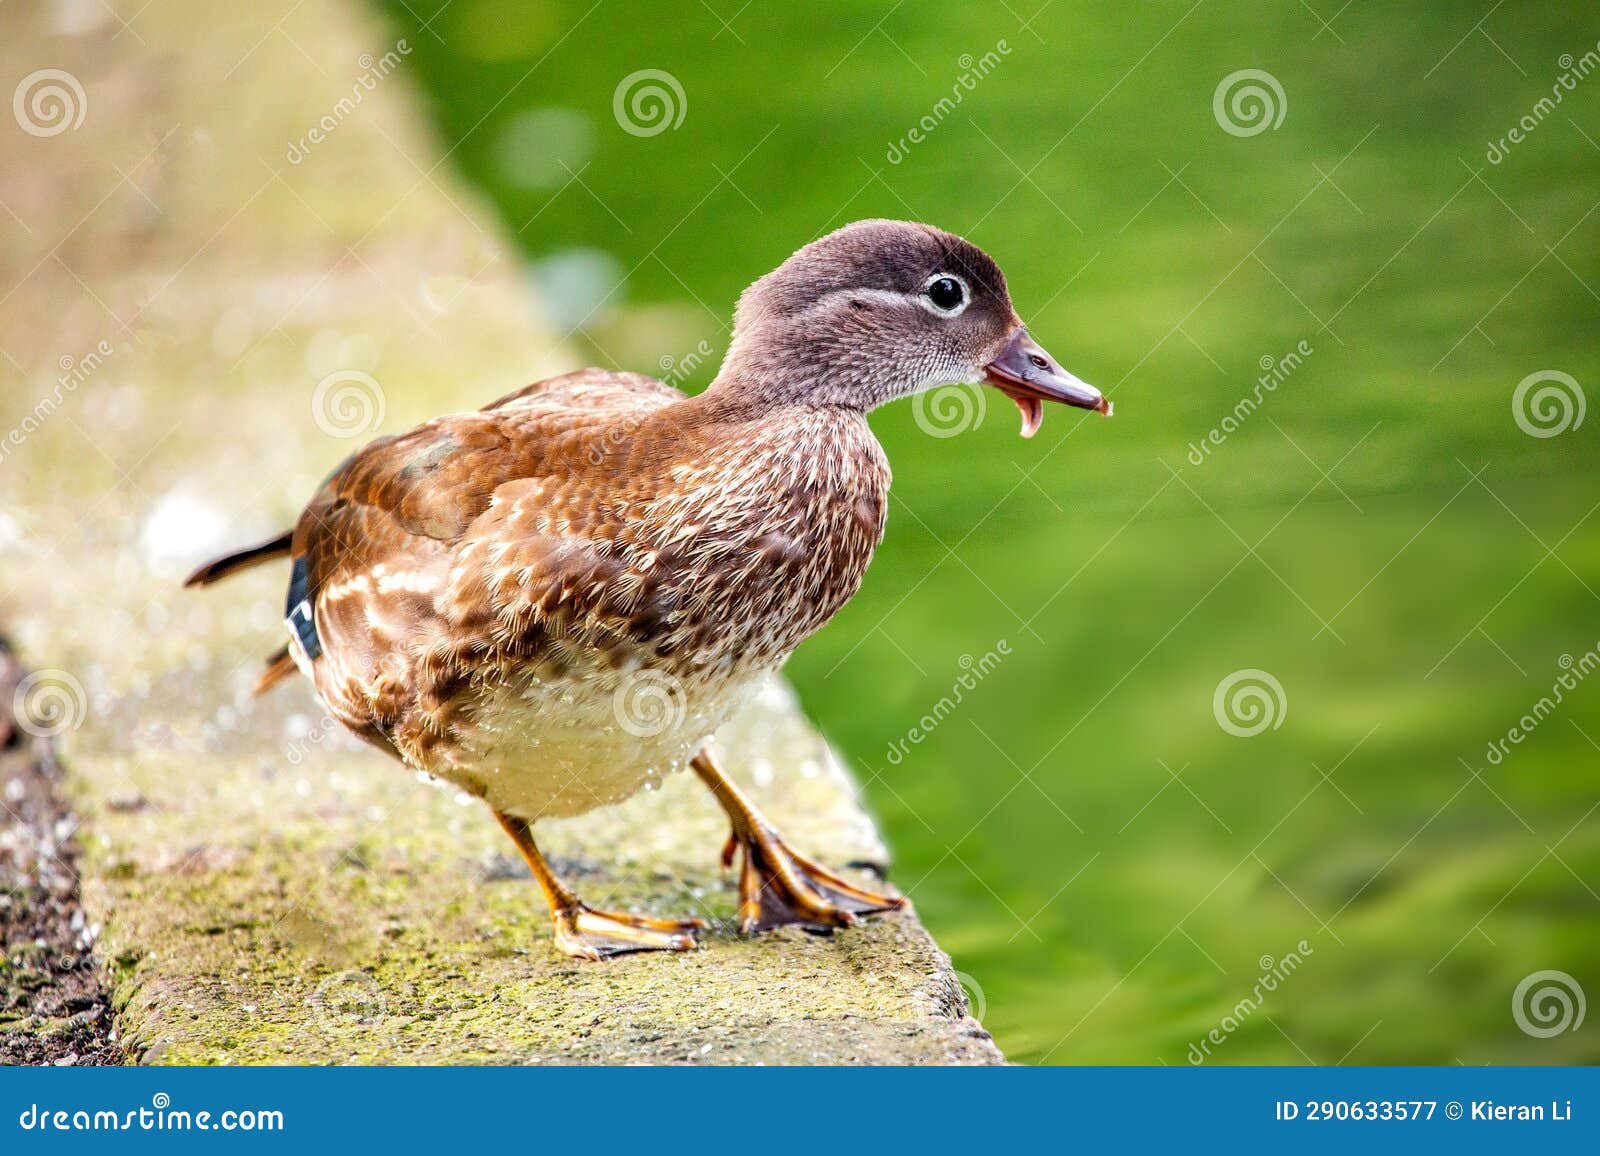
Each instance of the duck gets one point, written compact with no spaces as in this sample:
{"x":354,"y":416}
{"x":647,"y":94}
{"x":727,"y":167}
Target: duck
{"x":555,"y":601}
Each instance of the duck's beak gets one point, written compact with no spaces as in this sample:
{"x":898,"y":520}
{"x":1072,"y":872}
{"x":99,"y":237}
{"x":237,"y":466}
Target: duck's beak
{"x":1029,"y":376}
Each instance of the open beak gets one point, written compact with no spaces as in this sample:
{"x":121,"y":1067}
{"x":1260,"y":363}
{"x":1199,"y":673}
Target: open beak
{"x":1029,"y":376}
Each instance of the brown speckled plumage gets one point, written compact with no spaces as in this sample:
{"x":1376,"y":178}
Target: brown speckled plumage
{"x":483,"y":594}
{"x":595,"y":524}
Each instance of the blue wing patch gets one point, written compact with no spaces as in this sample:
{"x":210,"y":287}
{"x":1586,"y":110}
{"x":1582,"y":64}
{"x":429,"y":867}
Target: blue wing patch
{"x":299,"y":612}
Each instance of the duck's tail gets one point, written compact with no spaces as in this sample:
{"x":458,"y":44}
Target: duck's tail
{"x":279,"y":664}
{"x":219,"y":568}
{"x":279,"y":667}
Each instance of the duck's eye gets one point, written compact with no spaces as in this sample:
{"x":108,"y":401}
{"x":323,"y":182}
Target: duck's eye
{"x":946,"y":294}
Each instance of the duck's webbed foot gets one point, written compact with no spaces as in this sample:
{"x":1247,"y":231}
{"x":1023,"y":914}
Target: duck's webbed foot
{"x":585,"y":933}
{"x":778,"y":885}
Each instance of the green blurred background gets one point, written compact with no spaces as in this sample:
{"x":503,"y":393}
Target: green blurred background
{"x":1112,"y":870}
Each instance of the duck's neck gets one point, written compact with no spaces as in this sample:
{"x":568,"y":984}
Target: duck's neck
{"x":763,"y":376}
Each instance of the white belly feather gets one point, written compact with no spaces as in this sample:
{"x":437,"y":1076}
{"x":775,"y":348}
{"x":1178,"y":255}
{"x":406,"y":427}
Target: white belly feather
{"x":554,"y":749}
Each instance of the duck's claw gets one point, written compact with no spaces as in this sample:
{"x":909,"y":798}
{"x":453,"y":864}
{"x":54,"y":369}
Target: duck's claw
{"x":778,"y":886}
{"x":585,"y":933}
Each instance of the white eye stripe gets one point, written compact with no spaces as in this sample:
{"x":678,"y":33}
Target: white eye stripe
{"x":882,"y":296}
{"x":892,"y":297}
{"x":927,"y":302}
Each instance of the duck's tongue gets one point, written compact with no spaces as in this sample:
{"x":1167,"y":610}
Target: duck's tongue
{"x":1032,"y":413}
{"x":1029,"y":376}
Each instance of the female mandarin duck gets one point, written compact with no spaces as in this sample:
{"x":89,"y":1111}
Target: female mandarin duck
{"x":476,"y":596}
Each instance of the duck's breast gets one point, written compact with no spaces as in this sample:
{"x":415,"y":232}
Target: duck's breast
{"x":764,"y":539}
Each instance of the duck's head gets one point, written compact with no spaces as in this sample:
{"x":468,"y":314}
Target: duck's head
{"x":880,"y":310}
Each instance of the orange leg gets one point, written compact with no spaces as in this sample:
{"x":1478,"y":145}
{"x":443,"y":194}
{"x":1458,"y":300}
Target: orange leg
{"x":778,"y":886}
{"x":585,"y":933}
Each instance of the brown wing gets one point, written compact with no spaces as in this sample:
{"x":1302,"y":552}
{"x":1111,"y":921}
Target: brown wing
{"x":400,"y":559}
{"x":588,"y":389}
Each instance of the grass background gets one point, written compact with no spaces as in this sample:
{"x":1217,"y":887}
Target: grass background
{"x":1111,"y":869}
